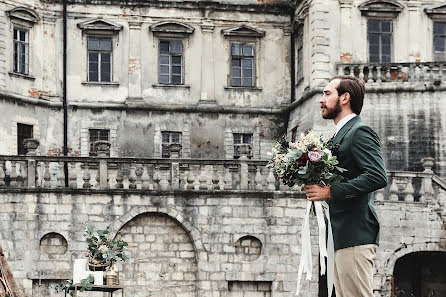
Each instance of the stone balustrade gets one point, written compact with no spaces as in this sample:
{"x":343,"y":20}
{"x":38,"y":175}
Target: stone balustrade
{"x":433,"y":72}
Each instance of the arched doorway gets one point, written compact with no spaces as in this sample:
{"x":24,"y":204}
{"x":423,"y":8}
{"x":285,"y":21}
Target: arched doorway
{"x":165,"y":263}
{"x":420,"y":274}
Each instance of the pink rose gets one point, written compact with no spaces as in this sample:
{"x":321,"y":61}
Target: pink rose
{"x":314,"y":156}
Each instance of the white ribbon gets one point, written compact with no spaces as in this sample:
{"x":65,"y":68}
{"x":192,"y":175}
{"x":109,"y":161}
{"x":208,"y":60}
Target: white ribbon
{"x":326,"y":249}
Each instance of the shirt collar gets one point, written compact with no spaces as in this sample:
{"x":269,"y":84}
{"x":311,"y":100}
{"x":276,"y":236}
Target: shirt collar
{"x":344,"y":121}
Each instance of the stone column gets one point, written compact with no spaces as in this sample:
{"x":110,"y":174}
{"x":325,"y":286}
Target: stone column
{"x":345,"y":40}
{"x":31,"y":145}
{"x":134,"y":68}
{"x":49,"y":62}
{"x":103,"y":150}
{"x":415,"y":39}
{"x":243,"y":151}
{"x":207,"y":64}
{"x":174,"y":149}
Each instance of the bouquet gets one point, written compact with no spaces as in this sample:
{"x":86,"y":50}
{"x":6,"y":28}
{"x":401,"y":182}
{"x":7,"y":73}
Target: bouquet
{"x":309,"y":161}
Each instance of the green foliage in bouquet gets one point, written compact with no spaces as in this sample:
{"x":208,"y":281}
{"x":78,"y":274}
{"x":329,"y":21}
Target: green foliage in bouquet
{"x":309,"y":161}
{"x":103,"y":249}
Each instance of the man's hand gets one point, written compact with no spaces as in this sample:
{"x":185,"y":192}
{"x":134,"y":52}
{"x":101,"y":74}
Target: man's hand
{"x":317,"y":193}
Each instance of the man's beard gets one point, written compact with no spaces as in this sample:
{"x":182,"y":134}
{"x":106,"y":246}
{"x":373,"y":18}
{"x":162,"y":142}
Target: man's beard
{"x":332,"y":113}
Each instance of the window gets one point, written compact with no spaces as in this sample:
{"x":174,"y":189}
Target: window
{"x":171,"y":62}
{"x":168,"y":138}
{"x":380,"y":40}
{"x":23,"y":132}
{"x":439,"y":41}
{"x":99,"y":59}
{"x":294,"y":134}
{"x":241,"y":138}
{"x":21,"y":51}
{"x":242,"y":65}
{"x":300,"y":60}
{"x":95,"y":135}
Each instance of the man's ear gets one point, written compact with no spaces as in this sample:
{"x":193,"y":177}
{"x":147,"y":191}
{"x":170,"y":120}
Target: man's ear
{"x":345,"y":98}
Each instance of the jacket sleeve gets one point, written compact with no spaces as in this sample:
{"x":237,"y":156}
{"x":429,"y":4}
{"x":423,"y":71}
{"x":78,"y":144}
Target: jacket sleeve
{"x":366,"y":152}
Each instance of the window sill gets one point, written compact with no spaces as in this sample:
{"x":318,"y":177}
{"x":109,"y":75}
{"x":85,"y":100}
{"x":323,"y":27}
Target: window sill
{"x":171,"y":86}
{"x":100,"y":83}
{"x":25,"y":76}
{"x":244,"y":89}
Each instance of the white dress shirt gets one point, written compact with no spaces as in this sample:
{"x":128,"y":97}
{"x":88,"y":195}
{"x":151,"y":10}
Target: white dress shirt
{"x":344,"y":121}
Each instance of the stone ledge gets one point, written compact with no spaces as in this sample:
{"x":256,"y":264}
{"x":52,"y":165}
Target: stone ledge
{"x":251,"y":276}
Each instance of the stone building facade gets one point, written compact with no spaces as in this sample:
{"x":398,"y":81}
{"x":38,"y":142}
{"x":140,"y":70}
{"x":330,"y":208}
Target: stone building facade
{"x":208,"y":219}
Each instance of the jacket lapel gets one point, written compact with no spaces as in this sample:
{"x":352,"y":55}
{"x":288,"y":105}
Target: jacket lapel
{"x":338,"y":138}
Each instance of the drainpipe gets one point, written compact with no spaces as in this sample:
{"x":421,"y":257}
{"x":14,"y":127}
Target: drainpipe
{"x":64,"y":91}
{"x":293,"y":57}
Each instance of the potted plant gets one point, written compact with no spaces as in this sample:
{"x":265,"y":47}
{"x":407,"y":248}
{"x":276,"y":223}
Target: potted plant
{"x":104,"y":251}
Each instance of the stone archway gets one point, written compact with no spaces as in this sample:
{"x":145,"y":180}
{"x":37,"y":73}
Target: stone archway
{"x":165,"y":262}
{"x":405,"y":249}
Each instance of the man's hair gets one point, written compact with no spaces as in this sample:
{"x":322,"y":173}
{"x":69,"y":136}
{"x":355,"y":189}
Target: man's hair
{"x":353,"y":86}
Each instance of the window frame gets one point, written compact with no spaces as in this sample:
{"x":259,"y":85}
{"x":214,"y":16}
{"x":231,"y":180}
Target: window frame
{"x":251,"y":143}
{"x":26,"y":49}
{"x":433,"y":40}
{"x":241,"y":57}
{"x":299,"y":57}
{"x":91,"y":151}
{"x":21,"y":149}
{"x":163,"y":144}
{"x":99,"y":58}
{"x":392,"y":35}
{"x":170,"y":55}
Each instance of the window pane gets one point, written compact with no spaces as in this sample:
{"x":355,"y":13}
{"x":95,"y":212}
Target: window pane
{"x":176,"y":79}
{"x":247,"y":63}
{"x":176,"y":70}
{"x":236,"y":49}
{"x":247,"y":138}
{"x":247,"y":82}
{"x":236,"y":82}
{"x":105,"y":44}
{"x":105,"y":57}
{"x":236,"y":62}
{"x":164,"y":46}
{"x":386,"y":50}
{"x":386,"y":39}
{"x":385,"y":59}
{"x":374,"y":50}
{"x":439,"y":44}
{"x":386,"y":26}
{"x":93,"y":66}
{"x":22,"y":36}
{"x":176,"y":47}
{"x":237,"y":138}
{"x":373,"y":26}
{"x":92,"y":57}
{"x":164,"y":59}
{"x":374,"y":39}
{"x":247,"y":73}
{"x":93,"y":76}
{"x":248,"y":50}
{"x":374,"y":58}
{"x":164,"y":69}
{"x":93,"y":43}
{"x":164,"y":79}
{"x":439,"y":28}
{"x":236,"y":72}
{"x":176,"y":60}
{"x":105,"y":75}
{"x":175,"y":138}
{"x":16,"y":34}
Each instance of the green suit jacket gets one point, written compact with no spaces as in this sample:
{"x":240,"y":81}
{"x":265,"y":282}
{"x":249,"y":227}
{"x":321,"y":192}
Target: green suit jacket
{"x":352,"y":211}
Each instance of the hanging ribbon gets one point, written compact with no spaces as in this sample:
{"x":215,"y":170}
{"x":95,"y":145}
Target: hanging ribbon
{"x":326,"y":249}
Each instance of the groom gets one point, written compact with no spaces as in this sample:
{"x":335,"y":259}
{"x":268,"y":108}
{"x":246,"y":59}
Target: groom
{"x":353,"y":218}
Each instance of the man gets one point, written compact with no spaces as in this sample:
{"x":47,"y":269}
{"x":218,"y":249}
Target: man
{"x":352,"y":213}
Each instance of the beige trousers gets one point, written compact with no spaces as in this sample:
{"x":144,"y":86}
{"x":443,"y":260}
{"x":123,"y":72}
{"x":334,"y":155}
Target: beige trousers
{"x":353,"y":271}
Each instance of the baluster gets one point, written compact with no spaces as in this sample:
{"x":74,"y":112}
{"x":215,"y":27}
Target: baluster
{"x":132,"y":177}
{"x":394,"y":190}
{"x":378,"y":74}
{"x":21,"y":174}
{"x":352,"y":70}
{"x":2,"y":174}
{"x":228,"y":179}
{"x":156,"y":177}
{"x":47,"y":176}
{"x":13,"y":175}
{"x":221,"y":179}
{"x":164,"y":182}
{"x":61,"y":175}
{"x":145,"y":177}
{"x":259,"y":181}
{"x":72,"y":175}
{"x":271,"y":180}
{"x":202,"y":178}
{"x":422,"y":72}
{"x":411,"y":72}
{"x":379,"y":195}
{"x":370,"y":75}
{"x":361,"y":72}
{"x":340,"y":70}
{"x":399,"y":71}
{"x":215,"y":178}
{"x":388,"y":76}
{"x":86,"y":177}
{"x":417,"y":72}
{"x":119,"y":177}
{"x":440,"y":73}
{"x":31,"y":173}
{"x":409,"y":191}
{"x":190,"y":178}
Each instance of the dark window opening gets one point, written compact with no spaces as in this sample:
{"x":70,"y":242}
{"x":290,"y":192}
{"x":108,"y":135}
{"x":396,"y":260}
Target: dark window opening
{"x":242,"y":65}
{"x":380,"y":35}
{"x":167,"y":138}
{"x":21,"y":51}
{"x":242,"y":138}
{"x":23,"y":132}
{"x":171,"y":62}
{"x":439,"y":41}
{"x":100,"y":59}
{"x":95,"y":135}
